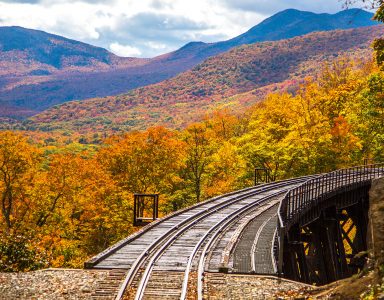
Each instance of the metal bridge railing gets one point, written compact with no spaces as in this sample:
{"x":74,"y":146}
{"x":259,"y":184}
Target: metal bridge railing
{"x":308,"y":195}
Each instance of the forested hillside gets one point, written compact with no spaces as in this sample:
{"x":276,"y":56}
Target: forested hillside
{"x":236,"y":79}
{"x":305,"y":105}
{"x":63,"y":201}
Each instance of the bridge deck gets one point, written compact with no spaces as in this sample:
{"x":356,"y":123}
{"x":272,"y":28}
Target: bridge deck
{"x":176,"y":257}
{"x":256,"y":241}
{"x":126,"y":255}
{"x":240,"y":225}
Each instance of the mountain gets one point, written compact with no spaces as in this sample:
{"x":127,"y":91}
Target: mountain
{"x":49,"y":49}
{"x":26,"y":52}
{"x":36,"y":67}
{"x":234,"y":79}
{"x":291,"y":22}
{"x":283,"y":25}
{"x":39,"y":70}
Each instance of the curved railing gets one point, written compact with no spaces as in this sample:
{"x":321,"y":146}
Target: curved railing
{"x":310,"y":194}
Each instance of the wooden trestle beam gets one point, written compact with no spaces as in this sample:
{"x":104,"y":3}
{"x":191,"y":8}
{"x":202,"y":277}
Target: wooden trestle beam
{"x":328,"y":248}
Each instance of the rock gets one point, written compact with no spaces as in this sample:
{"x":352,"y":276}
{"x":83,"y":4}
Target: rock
{"x":86,"y":289}
{"x":234,"y":286}
{"x":51,"y":284}
{"x":376,"y":213}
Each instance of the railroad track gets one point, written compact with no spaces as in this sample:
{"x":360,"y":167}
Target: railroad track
{"x":161,"y":259}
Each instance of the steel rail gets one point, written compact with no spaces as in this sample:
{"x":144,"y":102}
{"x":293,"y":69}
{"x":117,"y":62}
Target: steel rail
{"x":247,"y":192}
{"x":253,"y":248}
{"x":140,"y":259}
{"x":215,"y":236}
{"x":227,"y":222}
{"x":224,"y":223}
{"x":109,"y":251}
{"x":194,"y":220}
{"x":238,"y":233}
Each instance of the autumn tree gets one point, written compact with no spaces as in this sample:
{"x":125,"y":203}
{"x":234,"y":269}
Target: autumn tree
{"x":197,"y":156}
{"x":368,"y":117}
{"x":225,"y":171}
{"x":18,"y":162}
{"x":78,"y":208}
{"x":145,"y":162}
{"x":263,"y":145}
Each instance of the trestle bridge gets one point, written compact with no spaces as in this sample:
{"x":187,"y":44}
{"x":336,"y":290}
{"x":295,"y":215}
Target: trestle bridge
{"x":311,"y":229}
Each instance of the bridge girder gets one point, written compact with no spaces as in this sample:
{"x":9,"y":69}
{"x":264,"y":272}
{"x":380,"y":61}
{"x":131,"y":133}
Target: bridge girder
{"x":328,"y":243}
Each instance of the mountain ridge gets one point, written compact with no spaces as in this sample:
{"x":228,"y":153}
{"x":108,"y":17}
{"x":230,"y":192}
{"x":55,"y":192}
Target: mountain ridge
{"x":295,"y":18}
{"x":63,"y":76}
{"x":252,"y":70}
{"x":17,"y":38}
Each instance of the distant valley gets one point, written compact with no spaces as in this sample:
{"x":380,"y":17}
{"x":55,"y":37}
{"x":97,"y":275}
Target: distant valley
{"x":39,"y":70}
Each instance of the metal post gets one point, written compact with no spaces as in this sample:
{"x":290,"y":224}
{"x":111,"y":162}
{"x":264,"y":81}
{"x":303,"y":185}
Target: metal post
{"x":156,"y":213}
{"x":140,"y":210}
{"x":262,"y":175}
{"x":134,"y":211}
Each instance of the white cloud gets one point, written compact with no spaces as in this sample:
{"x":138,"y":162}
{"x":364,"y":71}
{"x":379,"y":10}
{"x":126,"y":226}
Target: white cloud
{"x":77,"y":20}
{"x":125,"y":51}
{"x":156,"y":46}
{"x":273,"y":6}
{"x":148,"y":27}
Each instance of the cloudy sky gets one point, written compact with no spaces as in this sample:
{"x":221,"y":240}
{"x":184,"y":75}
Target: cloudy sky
{"x":146,"y":28}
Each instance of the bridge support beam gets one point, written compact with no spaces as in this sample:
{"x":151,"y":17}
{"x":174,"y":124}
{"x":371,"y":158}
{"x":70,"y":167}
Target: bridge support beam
{"x":328,"y":247}
{"x":316,"y":257}
{"x":295,"y":254}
